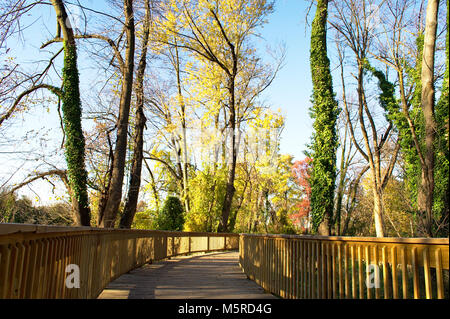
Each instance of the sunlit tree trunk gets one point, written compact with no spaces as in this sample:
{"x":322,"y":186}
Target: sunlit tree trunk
{"x":136,"y":162}
{"x":427,"y":102}
{"x":378,"y":211}
{"x":114,"y":195}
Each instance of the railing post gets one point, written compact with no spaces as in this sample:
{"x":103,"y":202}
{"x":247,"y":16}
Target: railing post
{"x":404,"y":273}
{"x":439,"y":279}
{"x":394,"y":272}
{"x":346,"y":277}
{"x":352,"y":265}
{"x":189,"y":250}
{"x":386,"y":274}
{"x":415,"y":269}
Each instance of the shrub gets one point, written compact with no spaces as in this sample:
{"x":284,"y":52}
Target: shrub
{"x":171,"y":216}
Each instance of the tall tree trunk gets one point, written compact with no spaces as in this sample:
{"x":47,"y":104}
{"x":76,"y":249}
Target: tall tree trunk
{"x":183,"y":148}
{"x":442,"y":194}
{"x":230,"y":189}
{"x":117,"y":173}
{"x":136,"y":166}
{"x":427,"y":102}
{"x":71,"y":107}
{"x":372,"y":156}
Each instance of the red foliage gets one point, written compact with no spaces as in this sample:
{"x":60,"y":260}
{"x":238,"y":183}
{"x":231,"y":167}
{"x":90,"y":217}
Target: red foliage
{"x":301,"y":170}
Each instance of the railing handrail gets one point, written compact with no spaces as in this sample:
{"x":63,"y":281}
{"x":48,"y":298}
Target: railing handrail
{"x":14,"y":228}
{"x":387,"y":240}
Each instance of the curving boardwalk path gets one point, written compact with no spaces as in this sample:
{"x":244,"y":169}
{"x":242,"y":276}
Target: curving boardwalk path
{"x":210,"y":276}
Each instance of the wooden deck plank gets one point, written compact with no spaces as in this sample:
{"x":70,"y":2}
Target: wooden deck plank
{"x":210,"y":276}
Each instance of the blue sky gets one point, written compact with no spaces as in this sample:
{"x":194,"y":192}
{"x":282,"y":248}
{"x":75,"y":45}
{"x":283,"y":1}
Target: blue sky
{"x":292,"y":88}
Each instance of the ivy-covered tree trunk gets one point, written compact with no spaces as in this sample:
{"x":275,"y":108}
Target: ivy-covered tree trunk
{"x":410,"y":124}
{"x":71,"y":107}
{"x":324,"y":111}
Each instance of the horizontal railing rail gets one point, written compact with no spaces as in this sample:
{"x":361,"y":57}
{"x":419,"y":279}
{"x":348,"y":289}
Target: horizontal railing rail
{"x":320,"y":267}
{"x":42,"y":261}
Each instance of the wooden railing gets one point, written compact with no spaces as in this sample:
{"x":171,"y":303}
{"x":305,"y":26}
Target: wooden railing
{"x":35,"y":261}
{"x":319,"y":267}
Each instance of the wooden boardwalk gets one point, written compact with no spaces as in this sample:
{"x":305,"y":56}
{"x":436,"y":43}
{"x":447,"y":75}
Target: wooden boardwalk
{"x":210,"y":276}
